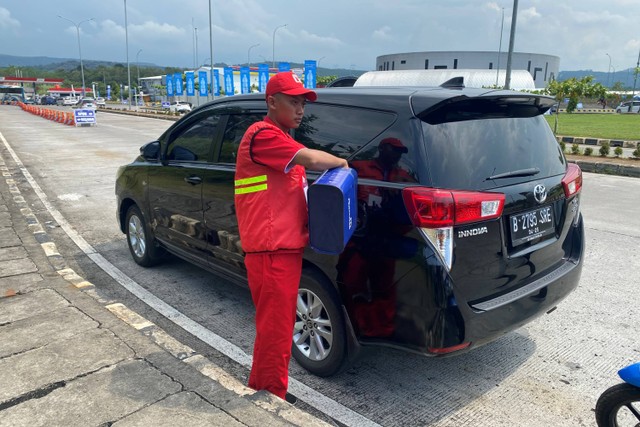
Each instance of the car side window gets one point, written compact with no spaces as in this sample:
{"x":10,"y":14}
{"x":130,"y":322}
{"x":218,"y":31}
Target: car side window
{"x":341,"y":131}
{"x":237,"y":125}
{"x":193,"y":143}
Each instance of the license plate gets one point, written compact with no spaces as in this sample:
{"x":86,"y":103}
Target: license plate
{"x":531,"y":225}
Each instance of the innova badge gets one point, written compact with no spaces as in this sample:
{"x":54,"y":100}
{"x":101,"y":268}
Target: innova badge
{"x":540,"y":193}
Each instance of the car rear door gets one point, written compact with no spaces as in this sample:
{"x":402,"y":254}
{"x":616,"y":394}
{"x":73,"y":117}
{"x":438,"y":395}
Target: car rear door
{"x":501,"y":146}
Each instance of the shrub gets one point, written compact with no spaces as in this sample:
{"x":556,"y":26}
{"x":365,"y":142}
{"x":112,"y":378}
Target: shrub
{"x":636,"y":153}
{"x":605,"y":149}
{"x":618,"y":151}
{"x":575,"y":149}
{"x":563,"y":146}
{"x":588,"y":151}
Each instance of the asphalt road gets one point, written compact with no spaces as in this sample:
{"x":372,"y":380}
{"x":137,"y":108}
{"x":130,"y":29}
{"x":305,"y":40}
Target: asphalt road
{"x":547,"y":373}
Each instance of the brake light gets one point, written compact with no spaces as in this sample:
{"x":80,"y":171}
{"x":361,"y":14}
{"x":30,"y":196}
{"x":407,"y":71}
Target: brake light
{"x":435,"y":212}
{"x":436,"y":208}
{"x":572,"y":180}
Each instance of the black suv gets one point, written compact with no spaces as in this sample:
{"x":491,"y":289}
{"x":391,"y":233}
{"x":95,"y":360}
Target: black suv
{"x":469,"y":221}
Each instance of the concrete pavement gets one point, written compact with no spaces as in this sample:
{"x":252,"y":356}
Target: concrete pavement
{"x":67,"y":357}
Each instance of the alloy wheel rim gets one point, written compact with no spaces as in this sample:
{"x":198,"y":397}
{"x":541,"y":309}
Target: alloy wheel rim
{"x":313,"y":332}
{"x":136,"y":236}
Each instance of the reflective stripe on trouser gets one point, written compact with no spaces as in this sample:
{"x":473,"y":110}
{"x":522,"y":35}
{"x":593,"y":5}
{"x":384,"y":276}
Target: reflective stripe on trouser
{"x":273,"y":279}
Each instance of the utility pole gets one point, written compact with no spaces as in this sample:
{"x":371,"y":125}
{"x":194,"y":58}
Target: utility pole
{"x":635,"y":79}
{"x":507,"y":82}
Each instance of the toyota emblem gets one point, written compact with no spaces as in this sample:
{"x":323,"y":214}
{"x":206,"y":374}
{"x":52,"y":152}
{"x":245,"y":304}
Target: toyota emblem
{"x":540,"y":193}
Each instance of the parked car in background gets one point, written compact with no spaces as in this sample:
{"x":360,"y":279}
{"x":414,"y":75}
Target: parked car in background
{"x":70,"y":101}
{"x":468,"y":227}
{"x":628,"y":107}
{"x":47,"y":100}
{"x":86,"y":104}
{"x":180,"y":107}
{"x":100,"y":102}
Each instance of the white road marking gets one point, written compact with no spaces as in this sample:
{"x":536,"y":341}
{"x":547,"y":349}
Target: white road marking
{"x":311,"y":397}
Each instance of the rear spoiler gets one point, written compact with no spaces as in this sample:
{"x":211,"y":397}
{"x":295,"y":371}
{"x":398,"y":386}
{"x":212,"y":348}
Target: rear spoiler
{"x":495,"y":104}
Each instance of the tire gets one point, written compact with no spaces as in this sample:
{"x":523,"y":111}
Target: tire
{"x":142,"y":245}
{"x":319,"y":335}
{"x":616,"y":406}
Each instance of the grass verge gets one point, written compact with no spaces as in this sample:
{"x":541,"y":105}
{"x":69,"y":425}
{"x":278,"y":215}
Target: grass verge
{"x":605,"y":126}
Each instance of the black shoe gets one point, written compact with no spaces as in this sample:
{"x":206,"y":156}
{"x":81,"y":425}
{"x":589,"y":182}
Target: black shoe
{"x":290,"y":398}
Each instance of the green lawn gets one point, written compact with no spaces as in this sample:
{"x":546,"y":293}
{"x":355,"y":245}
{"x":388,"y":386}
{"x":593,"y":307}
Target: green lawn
{"x":605,"y":126}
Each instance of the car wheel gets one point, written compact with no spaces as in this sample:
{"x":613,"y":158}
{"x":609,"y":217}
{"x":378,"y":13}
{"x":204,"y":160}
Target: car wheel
{"x":142,"y":244}
{"x":319,"y":336}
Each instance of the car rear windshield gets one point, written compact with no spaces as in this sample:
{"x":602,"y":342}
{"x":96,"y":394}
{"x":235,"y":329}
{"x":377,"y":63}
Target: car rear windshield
{"x":490,"y":153}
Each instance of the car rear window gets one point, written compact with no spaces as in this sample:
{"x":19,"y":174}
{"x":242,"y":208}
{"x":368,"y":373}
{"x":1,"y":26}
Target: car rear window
{"x":340,"y":130}
{"x":464,"y":154}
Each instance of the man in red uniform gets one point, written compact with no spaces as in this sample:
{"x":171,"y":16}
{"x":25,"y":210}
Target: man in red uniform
{"x":270,"y":199}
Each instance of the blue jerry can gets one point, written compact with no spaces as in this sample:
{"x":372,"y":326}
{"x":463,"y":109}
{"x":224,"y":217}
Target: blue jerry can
{"x":333,"y":210}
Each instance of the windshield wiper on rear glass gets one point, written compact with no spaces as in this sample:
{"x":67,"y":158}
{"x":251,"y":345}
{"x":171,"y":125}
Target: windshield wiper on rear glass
{"x":521,"y":172}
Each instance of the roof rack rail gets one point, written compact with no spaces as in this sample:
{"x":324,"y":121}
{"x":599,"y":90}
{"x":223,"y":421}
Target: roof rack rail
{"x":454,"y":83}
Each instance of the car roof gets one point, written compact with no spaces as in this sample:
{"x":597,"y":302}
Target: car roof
{"x":391,"y":98}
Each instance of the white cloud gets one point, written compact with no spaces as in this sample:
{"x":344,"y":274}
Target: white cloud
{"x":382,"y":33}
{"x":6,"y":21}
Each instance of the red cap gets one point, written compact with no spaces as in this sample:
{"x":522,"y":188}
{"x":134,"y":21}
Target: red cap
{"x":396,"y":143}
{"x":290,"y":84}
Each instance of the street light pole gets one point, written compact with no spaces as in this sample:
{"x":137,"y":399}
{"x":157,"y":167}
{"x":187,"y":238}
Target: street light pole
{"x":318,"y":61}
{"x":512,"y":36}
{"x":126,"y":33}
{"x":79,"y":49}
{"x":273,"y":52}
{"x":500,"y":47}
{"x":249,"y":54}
{"x":211,"y":53}
{"x":138,"y":66}
{"x":608,"y":69}
{"x":635,"y":79}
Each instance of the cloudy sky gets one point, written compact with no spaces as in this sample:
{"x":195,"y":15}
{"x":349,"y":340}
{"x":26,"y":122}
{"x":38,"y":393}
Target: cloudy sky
{"x":340,"y":34}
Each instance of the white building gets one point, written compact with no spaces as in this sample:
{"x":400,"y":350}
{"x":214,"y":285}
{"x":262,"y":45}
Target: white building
{"x":543,"y":68}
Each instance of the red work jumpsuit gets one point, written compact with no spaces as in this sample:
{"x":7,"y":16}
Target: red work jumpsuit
{"x":272,"y":219}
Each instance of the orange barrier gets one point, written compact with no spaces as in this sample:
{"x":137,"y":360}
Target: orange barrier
{"x":62,"y":117}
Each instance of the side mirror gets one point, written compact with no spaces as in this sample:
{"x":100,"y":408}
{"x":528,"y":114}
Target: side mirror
{"x":150,"y":151}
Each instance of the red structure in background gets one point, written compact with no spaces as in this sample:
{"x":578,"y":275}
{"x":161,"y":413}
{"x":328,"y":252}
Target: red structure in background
{"x":29,"y":85}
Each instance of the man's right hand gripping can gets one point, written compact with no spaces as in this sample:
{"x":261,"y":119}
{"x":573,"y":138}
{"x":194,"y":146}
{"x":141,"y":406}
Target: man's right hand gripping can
{"x":333,"y":210}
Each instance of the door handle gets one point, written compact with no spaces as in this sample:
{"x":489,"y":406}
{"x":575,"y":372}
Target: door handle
{"x":193,"y":179}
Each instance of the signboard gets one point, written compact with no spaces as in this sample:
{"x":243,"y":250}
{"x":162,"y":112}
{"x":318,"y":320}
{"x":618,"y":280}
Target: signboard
{"x":177,"y":81}
{"x":84,"y":117}
{"x":166,"y":104}
{"x":284,"y":66}
{"x":169,"y":84}
{"x":228,"y":81}
{"x":202,"y":83}
{"x":109,"y":92}
{"x":191,"y":84}
{"x":263,"y":77}
{"x":245,"y":80}
{"x":216,"y":83}
{"x":310,"y":74}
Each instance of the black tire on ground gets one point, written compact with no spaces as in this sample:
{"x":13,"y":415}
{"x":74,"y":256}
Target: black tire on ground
{"x":142,"y":244}
{"x":319,"y":336}
{"x":619,"y":398}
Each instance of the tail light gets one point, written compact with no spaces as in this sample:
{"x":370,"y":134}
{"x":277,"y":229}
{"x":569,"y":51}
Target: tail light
{"x":436,"y":212}
{"x":572,"y":181}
